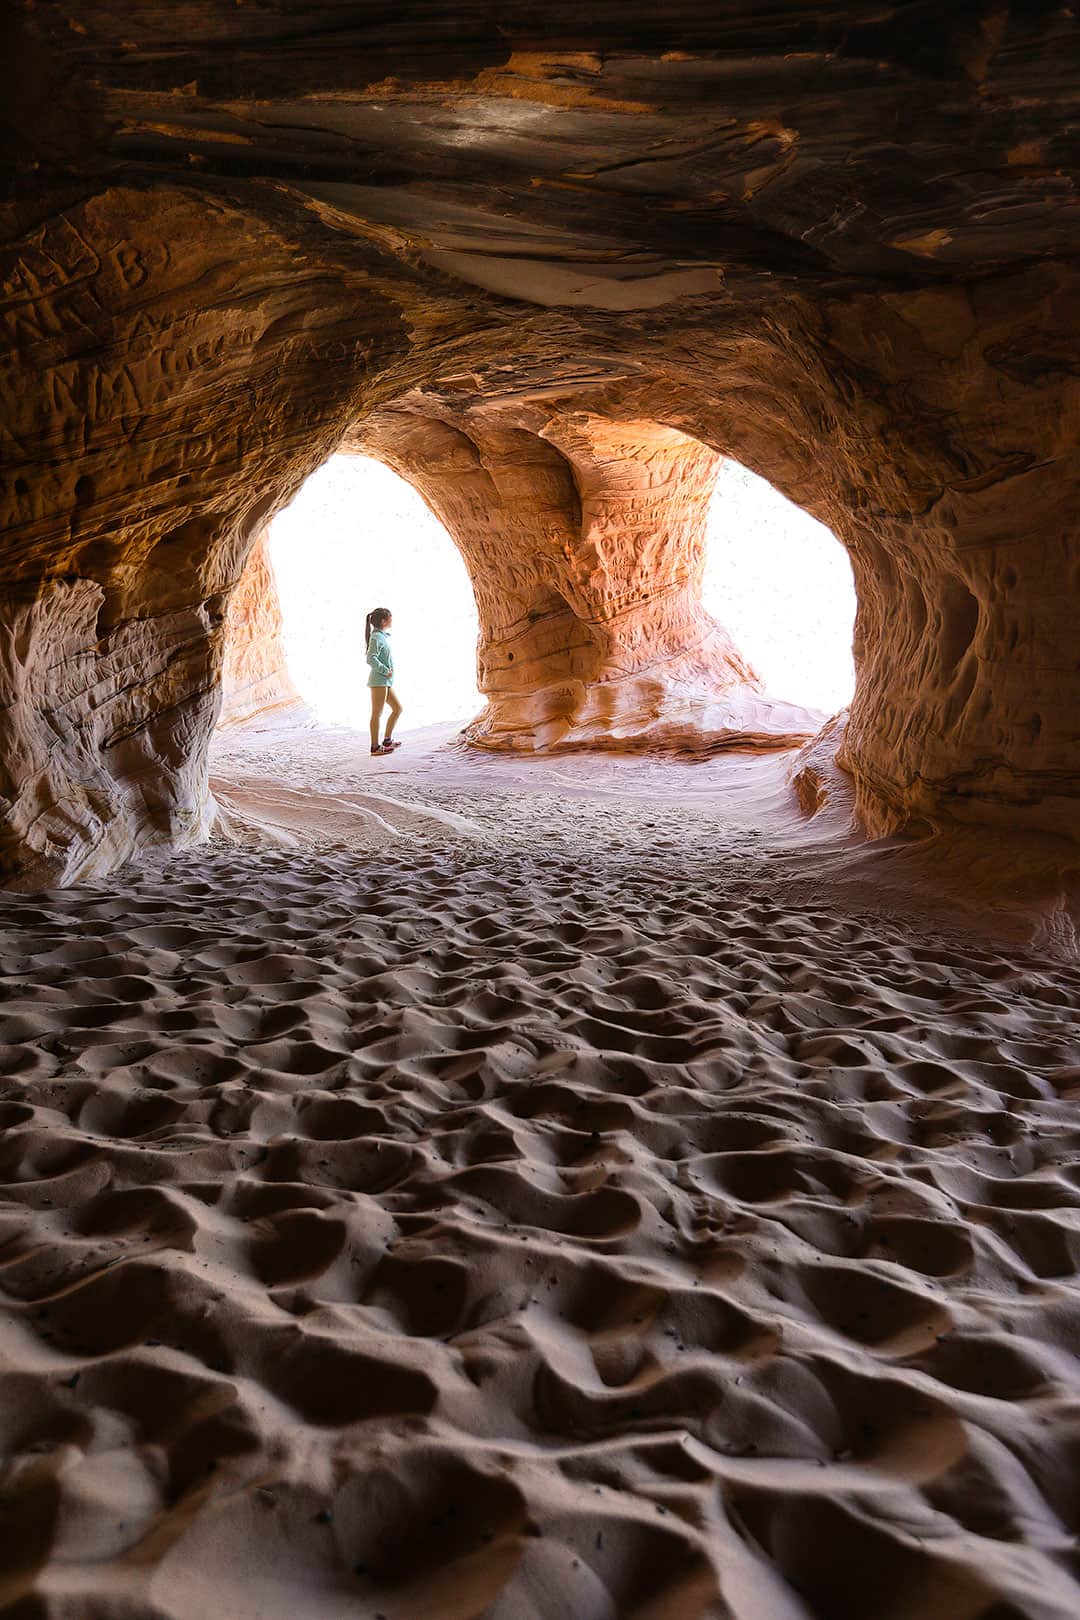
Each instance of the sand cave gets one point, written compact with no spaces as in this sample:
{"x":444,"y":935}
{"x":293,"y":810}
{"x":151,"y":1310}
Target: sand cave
{"x":620,"y":1157}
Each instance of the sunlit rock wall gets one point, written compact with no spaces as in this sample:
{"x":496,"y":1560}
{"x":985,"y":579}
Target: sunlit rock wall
{"x":170,"y":386}
{"x":838,"y":244}
{"x":584,"y":539}
{"x":255,"y":676}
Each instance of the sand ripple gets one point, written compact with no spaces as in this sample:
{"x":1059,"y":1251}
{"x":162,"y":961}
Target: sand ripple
{"x":530,"y":1236}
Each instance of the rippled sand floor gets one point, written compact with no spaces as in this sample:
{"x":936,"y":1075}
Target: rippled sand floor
{"x":505,"y":1199}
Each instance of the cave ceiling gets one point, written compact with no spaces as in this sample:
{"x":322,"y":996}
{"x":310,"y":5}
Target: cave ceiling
{"x":596,"y":158}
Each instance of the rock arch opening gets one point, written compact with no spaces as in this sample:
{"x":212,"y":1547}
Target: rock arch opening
{"x":782,"y":584}
{"x":649,"y":539}
{"x":356,"y":535}
{"x":585,"y":536}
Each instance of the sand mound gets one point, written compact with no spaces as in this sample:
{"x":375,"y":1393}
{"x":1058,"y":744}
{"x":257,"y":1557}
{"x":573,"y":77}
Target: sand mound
{"x":552,"y":1223}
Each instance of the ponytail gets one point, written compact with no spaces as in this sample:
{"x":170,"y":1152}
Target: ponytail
{"x":374,"y":621}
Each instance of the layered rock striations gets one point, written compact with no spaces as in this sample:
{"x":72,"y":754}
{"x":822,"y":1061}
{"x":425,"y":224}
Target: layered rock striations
{"x":255,"y":676}
{"x":548,"y":270}
{"x":583,"y":537}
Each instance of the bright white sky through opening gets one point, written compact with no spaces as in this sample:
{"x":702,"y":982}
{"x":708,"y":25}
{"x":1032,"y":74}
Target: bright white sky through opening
{"x":357,"y":536}
{"x":781,"y":583}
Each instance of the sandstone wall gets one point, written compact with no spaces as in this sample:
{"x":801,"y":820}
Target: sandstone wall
{"x":563,"y":267}
{"x":255,"y":676}
{"x":934,"y":433}
{"x":584,"y":539}
{"x":173,"y":381}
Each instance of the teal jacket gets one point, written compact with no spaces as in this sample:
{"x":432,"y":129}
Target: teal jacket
{"x":380,"y":660}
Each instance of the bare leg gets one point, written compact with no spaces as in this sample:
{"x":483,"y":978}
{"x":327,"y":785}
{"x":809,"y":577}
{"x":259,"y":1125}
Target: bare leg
{"x":378,"y":698}
{"x":395,"y":712}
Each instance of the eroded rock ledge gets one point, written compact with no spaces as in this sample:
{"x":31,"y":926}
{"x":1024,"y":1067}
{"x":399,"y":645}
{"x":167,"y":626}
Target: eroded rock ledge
{"x":567,"y":264}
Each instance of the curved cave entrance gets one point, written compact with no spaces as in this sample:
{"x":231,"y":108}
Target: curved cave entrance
{"x":358,"y":536}
{"x":607,"y":583}
{"x":781,"y":583}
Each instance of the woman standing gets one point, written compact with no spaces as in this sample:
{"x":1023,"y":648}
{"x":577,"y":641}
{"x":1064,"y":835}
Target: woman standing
{"x":381,"y":678}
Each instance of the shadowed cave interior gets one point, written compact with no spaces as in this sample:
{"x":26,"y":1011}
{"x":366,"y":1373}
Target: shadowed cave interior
{"x":617,"y":1158}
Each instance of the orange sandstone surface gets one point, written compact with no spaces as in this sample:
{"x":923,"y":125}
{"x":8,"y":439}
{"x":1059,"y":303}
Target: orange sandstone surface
{"x":619,"y":1161}
{"x":547,"y":271}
